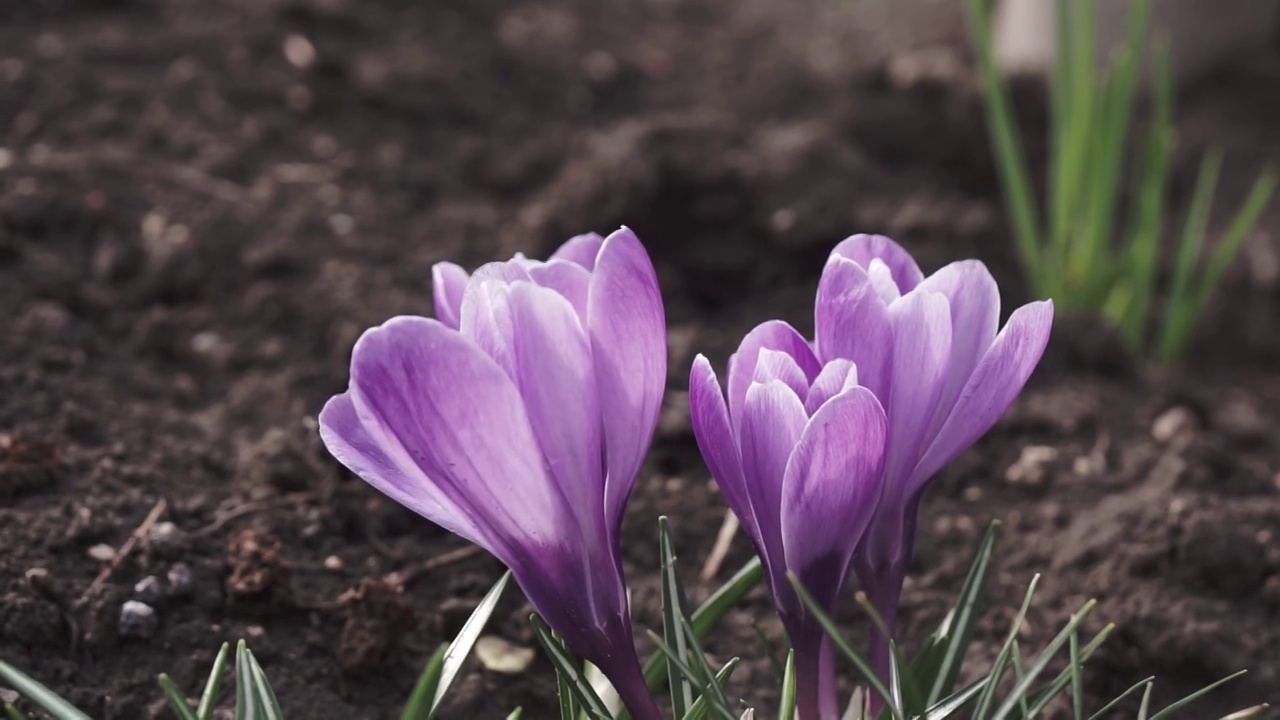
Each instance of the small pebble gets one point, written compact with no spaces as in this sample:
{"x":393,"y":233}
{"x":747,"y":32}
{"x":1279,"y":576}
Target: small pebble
{"x":148,"y":590}
{"x":334,"y":563}
{"x":181,"y":580}
{"x":166,"y":538}
{"x":1173,"y":422}
{"x":137,"y":620}
{"x":1032,"y":466}
{"x":102,"y":552}
{"x":9,"y":696}
{"x":501,"y":656}
{"x":299,"y":51}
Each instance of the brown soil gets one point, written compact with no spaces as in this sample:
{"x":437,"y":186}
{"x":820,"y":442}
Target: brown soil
{"x":203,"y":202}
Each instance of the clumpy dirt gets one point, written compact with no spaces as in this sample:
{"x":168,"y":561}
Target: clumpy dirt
{"x":203,"y":203}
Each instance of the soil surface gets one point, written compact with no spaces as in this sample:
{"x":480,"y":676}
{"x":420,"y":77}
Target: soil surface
{"x":204,"y":202}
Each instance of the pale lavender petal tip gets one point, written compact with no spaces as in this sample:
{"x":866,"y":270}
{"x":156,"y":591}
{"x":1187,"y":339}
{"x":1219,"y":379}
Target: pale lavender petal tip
{"x":448,"y":282}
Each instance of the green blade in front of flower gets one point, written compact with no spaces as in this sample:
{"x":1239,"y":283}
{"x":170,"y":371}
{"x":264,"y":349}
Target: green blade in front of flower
{"x":1023,"y":686}
{"x":904,"y":688}
{"x":516,"y":714}
{"x":1178,"y":705}
{"x":787,"y":705}
{"x":946,"y":707}
{"x":461,"y":646}
{"x":704,"y":671}
{"x":833,"y":632}
{"x":422,"y":699}
{"x":673,"y":611}
{"x":33,"y":690}
{"x":707,"y":616}
{"x":950,"y":642}
{"x":570,"y":671}
{"x":721,"y":710}
{"x":1002,"y":659}
{"x":177,"y":701}
{"x":213,"y":686}
{"x":698,"y":711}
{"x":1042,"y":697}
{"x":1121,"y":697}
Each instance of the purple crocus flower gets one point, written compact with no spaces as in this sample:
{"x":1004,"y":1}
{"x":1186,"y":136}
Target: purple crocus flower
{"x":798,"y":451}
{"x":930,"y":351}
{"x":519,"y":420}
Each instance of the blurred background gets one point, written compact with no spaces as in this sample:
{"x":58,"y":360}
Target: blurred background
{"x":204,"y":202}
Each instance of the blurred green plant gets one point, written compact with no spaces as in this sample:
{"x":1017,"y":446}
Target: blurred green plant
{"x":1081,"y":250}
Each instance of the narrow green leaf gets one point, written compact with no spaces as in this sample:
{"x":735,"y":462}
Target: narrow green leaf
{"x":1043,"y":696}
{"x":11,"y":712}
{"x":1247,"y":713}
{"x":516,"y":714}
{"x":895,"y":675}
{"x":1120,"y":698}
{"x":213,"y":686}
{"x":708,"y":615}
{"x":1145,"y":707}
{"x":673,"y":612}
{"x":265,"y":697}
{"x":1002,"y":658}
{"x":33,"y":690}
{"x":698,"y":711}
{"x":712,"y":703}
{"x":246,"y":703}
{"x":705,"y":674}
{"x":177,"y":701}
{"x":1178,"y":322}
{"x":568,"y":668}
{"x":1176,"y":706}
{"x":956,"y":630}
{"x":1023,"y":686}
{"x":461,"y":646}
{"x":787,"y":705}
{"x":1019,"y":674}
{"x":829,"y":626}
{"x":1077,"y":686}
{"x":947,"y":706}
{"x":422,"y":699}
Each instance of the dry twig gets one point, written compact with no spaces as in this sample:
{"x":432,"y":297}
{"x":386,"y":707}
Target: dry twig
{"x":123,"y":553}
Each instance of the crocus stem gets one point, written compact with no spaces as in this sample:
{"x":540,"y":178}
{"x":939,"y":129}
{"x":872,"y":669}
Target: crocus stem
{"x":817,"y":696}
{"x":884,"y":597}
{"x":628,"y":680}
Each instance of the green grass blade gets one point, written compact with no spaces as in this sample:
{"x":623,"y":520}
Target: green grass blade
{"x":787,"y":706}
{"x":516,"y":714}
{"x":895,"y":675}
{"x":708,"y":615}
{"x":12,"y":713}
{"x":213,"y":686}
{"x":1042,"y":662}
{"x":673,"y":612}
{"x":568,"y":668}
{"x":422,"y":700}
{"x":947,"y":706}
{"x":712,"y":701}
{"x":1043,"y":696}
{"x":833,"y":632}
{"x":1077,"y":686}
{"x":956,"y":630}
{"x":1145,"y":708}
{"x":1011,"y":162}
{"x":1249,"y":712}
{"x":698,"y":711}
{"x":246,"y":704}
{"x":33,"y":690}
{"x":461,"y":646}
{"x":1176,"y":706}
{"x":177,"y":701}
{"x":1002,"y":658}
{"x":1232,"y":242}
{"x":1178,"y":323}
{"x":706,"y":675}
{"x":1019,"y":674}
{"x":1120,"y":698}
{"x":267,"y":702}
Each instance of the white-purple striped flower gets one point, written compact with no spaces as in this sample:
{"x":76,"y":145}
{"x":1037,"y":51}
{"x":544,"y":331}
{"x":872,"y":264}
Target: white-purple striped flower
{"x":519,"y":420}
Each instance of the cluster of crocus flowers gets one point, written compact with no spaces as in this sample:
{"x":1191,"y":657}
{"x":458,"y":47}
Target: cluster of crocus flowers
{"x":519,"y":420}
{"x":520,"y":417}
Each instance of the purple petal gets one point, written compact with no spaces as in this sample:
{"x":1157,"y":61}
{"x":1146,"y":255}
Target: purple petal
{"x":567,"y":278}
{"x":448,"y":281}
{"x":922,"y":347}
{"x":862,"y":249}
{"x":557,"y":382}
{"x":772,"y":421}
{"x":629,"y":344}
{"x":836,"y":377}
{"x":881,"y":278}
{"x":777,"y":365}
{"x":486,"y":320}
{"x":508,"y":271}
{"x":451,"y":425}
{"x":852,"y":322}
{"x":975,"y":317}
{"x":771,"y":335}
{"x":992,"y":388}
{"x":717,"y":441}
{"x":832,"y":484}
{"x":581,"y":250}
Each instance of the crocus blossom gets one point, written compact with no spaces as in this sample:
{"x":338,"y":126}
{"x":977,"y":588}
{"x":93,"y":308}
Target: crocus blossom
{"x":929,"y":349}
{"x":519,"y":419}
{"x":797,"y":448}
